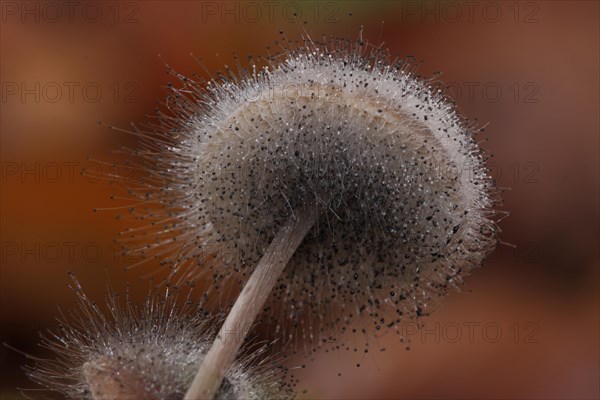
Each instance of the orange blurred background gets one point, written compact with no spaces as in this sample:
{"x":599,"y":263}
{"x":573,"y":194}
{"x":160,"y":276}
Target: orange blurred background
{"x":527,"y":324}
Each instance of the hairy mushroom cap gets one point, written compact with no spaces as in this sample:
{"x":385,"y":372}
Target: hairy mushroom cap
{"x":403,"y":194}
{"x":150,"y":352}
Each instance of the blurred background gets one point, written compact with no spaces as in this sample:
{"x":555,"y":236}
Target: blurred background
{"x":527,"y":324}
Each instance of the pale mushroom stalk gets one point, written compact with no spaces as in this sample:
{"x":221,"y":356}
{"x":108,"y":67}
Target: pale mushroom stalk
{"x":248,"y":305}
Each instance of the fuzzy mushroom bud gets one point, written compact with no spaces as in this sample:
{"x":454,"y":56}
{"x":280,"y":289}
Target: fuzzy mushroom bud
{"x":150,"y":352}
{"x":338,"y":164}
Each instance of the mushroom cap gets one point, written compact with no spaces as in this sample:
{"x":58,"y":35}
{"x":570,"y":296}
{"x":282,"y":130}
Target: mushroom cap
{"x":403,"y":194}
{"x":151,"y":352}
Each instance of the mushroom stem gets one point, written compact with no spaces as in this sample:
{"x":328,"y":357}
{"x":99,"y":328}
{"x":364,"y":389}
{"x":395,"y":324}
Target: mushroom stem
{"x":248,"y":305}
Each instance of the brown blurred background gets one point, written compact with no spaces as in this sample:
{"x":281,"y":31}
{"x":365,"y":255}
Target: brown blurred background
{"x":526,"y":325}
